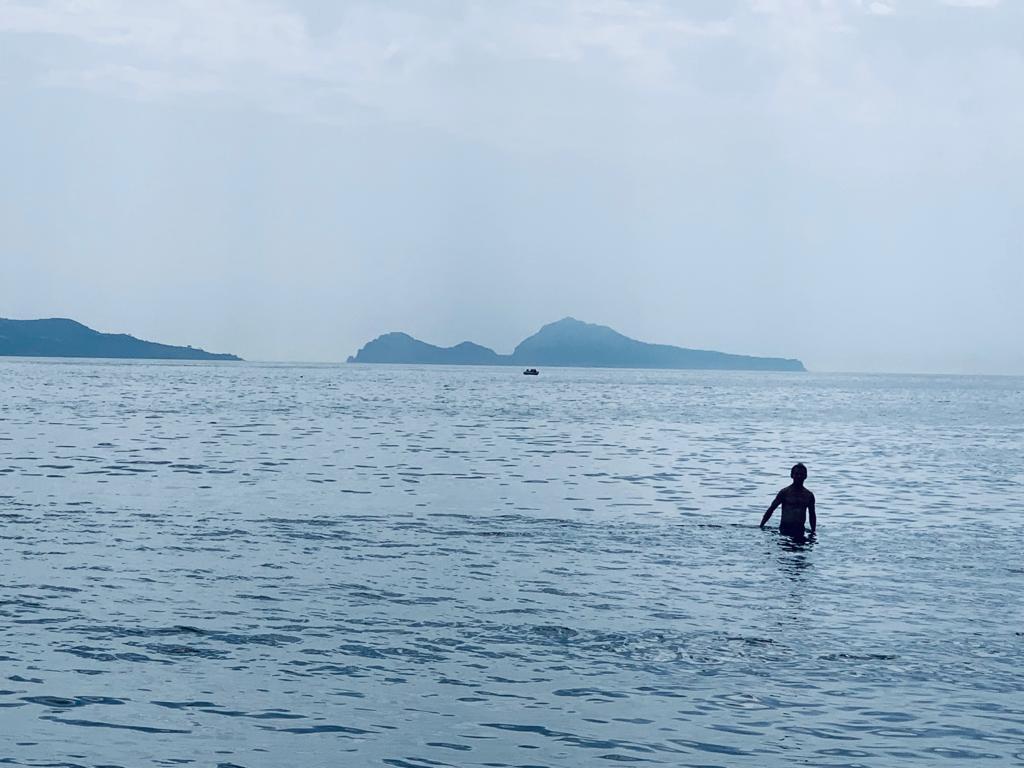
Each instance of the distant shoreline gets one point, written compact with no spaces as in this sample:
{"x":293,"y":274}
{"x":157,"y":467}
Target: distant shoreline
{"x":63,"y":338}
{"x":344,"y":364}
{"x":568,"y":343}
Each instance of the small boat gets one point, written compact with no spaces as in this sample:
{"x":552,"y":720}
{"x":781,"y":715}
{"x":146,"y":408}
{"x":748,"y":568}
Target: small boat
{"x":531,"y":372}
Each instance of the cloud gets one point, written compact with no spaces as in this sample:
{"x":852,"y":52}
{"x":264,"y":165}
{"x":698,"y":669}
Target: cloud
{"x":278,"y":37}
{"x":365,"y":60}
{"x":136,"y":81}
{"x":544,"y":77}
{"x":535,"y":73}
{"x":646,"y":156}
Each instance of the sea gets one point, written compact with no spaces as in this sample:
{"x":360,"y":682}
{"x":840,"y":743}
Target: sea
{"x":240,"y":564}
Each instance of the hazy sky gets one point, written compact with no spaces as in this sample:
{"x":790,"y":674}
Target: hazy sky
{"x":836,"y":180}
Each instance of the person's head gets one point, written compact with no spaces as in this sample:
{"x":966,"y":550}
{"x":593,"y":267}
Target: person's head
{"x":798,"y":473}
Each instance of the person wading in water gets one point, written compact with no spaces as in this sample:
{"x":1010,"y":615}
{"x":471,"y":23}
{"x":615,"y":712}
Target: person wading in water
{"x":797,"y":503}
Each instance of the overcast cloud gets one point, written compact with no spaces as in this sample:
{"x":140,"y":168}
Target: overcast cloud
{"x":836,"y":180}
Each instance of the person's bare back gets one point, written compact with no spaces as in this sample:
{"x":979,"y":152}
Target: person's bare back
{"x":797,"y":504}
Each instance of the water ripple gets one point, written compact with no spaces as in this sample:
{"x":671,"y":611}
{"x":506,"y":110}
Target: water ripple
{"x":262,"y":565}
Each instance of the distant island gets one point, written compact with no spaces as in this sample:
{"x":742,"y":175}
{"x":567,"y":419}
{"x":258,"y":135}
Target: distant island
{"x":59,"y":337}
{"x":570,"y":343}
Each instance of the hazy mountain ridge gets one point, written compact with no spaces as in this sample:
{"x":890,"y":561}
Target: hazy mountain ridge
{"x":61,"y":337}
{"x":401,"y":347}
{"x":571,"y":343}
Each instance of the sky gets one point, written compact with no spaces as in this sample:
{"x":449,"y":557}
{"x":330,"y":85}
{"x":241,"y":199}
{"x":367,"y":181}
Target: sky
{"x":836,"y":180}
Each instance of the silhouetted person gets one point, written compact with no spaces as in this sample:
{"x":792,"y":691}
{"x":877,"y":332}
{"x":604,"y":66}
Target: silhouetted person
{"x":797,"y":502}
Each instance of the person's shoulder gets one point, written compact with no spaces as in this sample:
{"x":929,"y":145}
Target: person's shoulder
{"x":809,"y":493}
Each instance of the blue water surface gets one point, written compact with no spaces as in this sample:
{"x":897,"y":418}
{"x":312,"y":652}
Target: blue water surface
{"x":273,"y":565}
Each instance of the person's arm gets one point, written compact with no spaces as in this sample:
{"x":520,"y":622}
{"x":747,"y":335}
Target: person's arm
{"x":810,"y":513}
{"x":771,"y":509}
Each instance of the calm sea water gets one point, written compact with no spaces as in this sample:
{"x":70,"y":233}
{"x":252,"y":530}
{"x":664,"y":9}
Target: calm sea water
{"x":268,"y":565}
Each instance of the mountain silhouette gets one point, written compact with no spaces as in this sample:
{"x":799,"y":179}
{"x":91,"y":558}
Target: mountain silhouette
{"x":403,"y":348}
{"x":570,"y":343}
{"x":59,"y":337}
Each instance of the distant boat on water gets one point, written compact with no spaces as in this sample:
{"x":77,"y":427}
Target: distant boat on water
{"x":531,"y":372}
